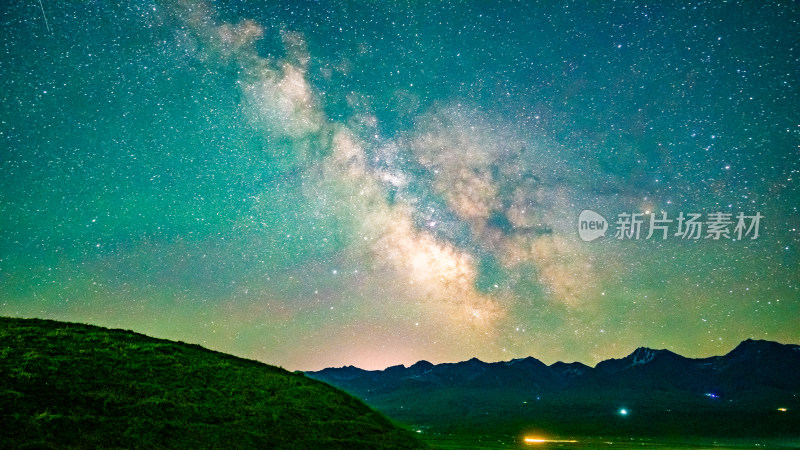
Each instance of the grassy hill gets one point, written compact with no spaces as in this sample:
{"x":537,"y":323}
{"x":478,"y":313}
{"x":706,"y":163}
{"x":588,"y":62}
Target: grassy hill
{"x":72,"y":385}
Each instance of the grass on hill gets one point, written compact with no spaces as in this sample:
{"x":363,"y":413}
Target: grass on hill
{"x":81,"y":386}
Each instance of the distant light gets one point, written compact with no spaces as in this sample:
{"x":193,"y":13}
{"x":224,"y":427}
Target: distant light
{"x":419,"y":431}
{"x":711,"y":395}
{"x":782,"y":409}
{"x":538,"y":440}
{"x":623,"y":412}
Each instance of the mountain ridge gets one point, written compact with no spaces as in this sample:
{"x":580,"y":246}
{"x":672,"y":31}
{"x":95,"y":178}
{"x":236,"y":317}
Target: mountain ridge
{"x":745,"y":343}
{"x":728,"y":394}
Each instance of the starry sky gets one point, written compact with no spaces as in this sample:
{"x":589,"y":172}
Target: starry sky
{"x":315,"y":184}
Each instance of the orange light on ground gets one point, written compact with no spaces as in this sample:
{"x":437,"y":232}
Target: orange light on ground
{"x":782,"y":409}
{"x":538,"y":440}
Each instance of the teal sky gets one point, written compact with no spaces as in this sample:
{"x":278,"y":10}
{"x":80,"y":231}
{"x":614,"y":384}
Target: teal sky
{"x":316,"y":184}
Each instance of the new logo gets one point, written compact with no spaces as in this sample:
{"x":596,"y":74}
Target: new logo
{"x":591,"y":225}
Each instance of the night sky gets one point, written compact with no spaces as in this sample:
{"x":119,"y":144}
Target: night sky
{"x":317,"y":184}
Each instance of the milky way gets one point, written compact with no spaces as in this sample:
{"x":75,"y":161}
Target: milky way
{"x":322,"y":184}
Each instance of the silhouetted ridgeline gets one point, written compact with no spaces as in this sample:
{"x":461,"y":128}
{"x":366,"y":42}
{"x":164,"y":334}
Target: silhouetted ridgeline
{"x":71,"y":385}
{"x":753,"y":391}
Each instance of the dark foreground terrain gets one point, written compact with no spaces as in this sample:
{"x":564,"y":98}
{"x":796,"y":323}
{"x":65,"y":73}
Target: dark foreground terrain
{"x":750,"y":395}
{"x":71,"y":385}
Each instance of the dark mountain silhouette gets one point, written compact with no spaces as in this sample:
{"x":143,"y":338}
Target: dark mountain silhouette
{"x":66,"y":385}
{"x":754,"y":390}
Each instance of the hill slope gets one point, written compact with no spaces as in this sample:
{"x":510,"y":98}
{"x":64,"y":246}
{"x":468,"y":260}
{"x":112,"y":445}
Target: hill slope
{"x":64,"y":384}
